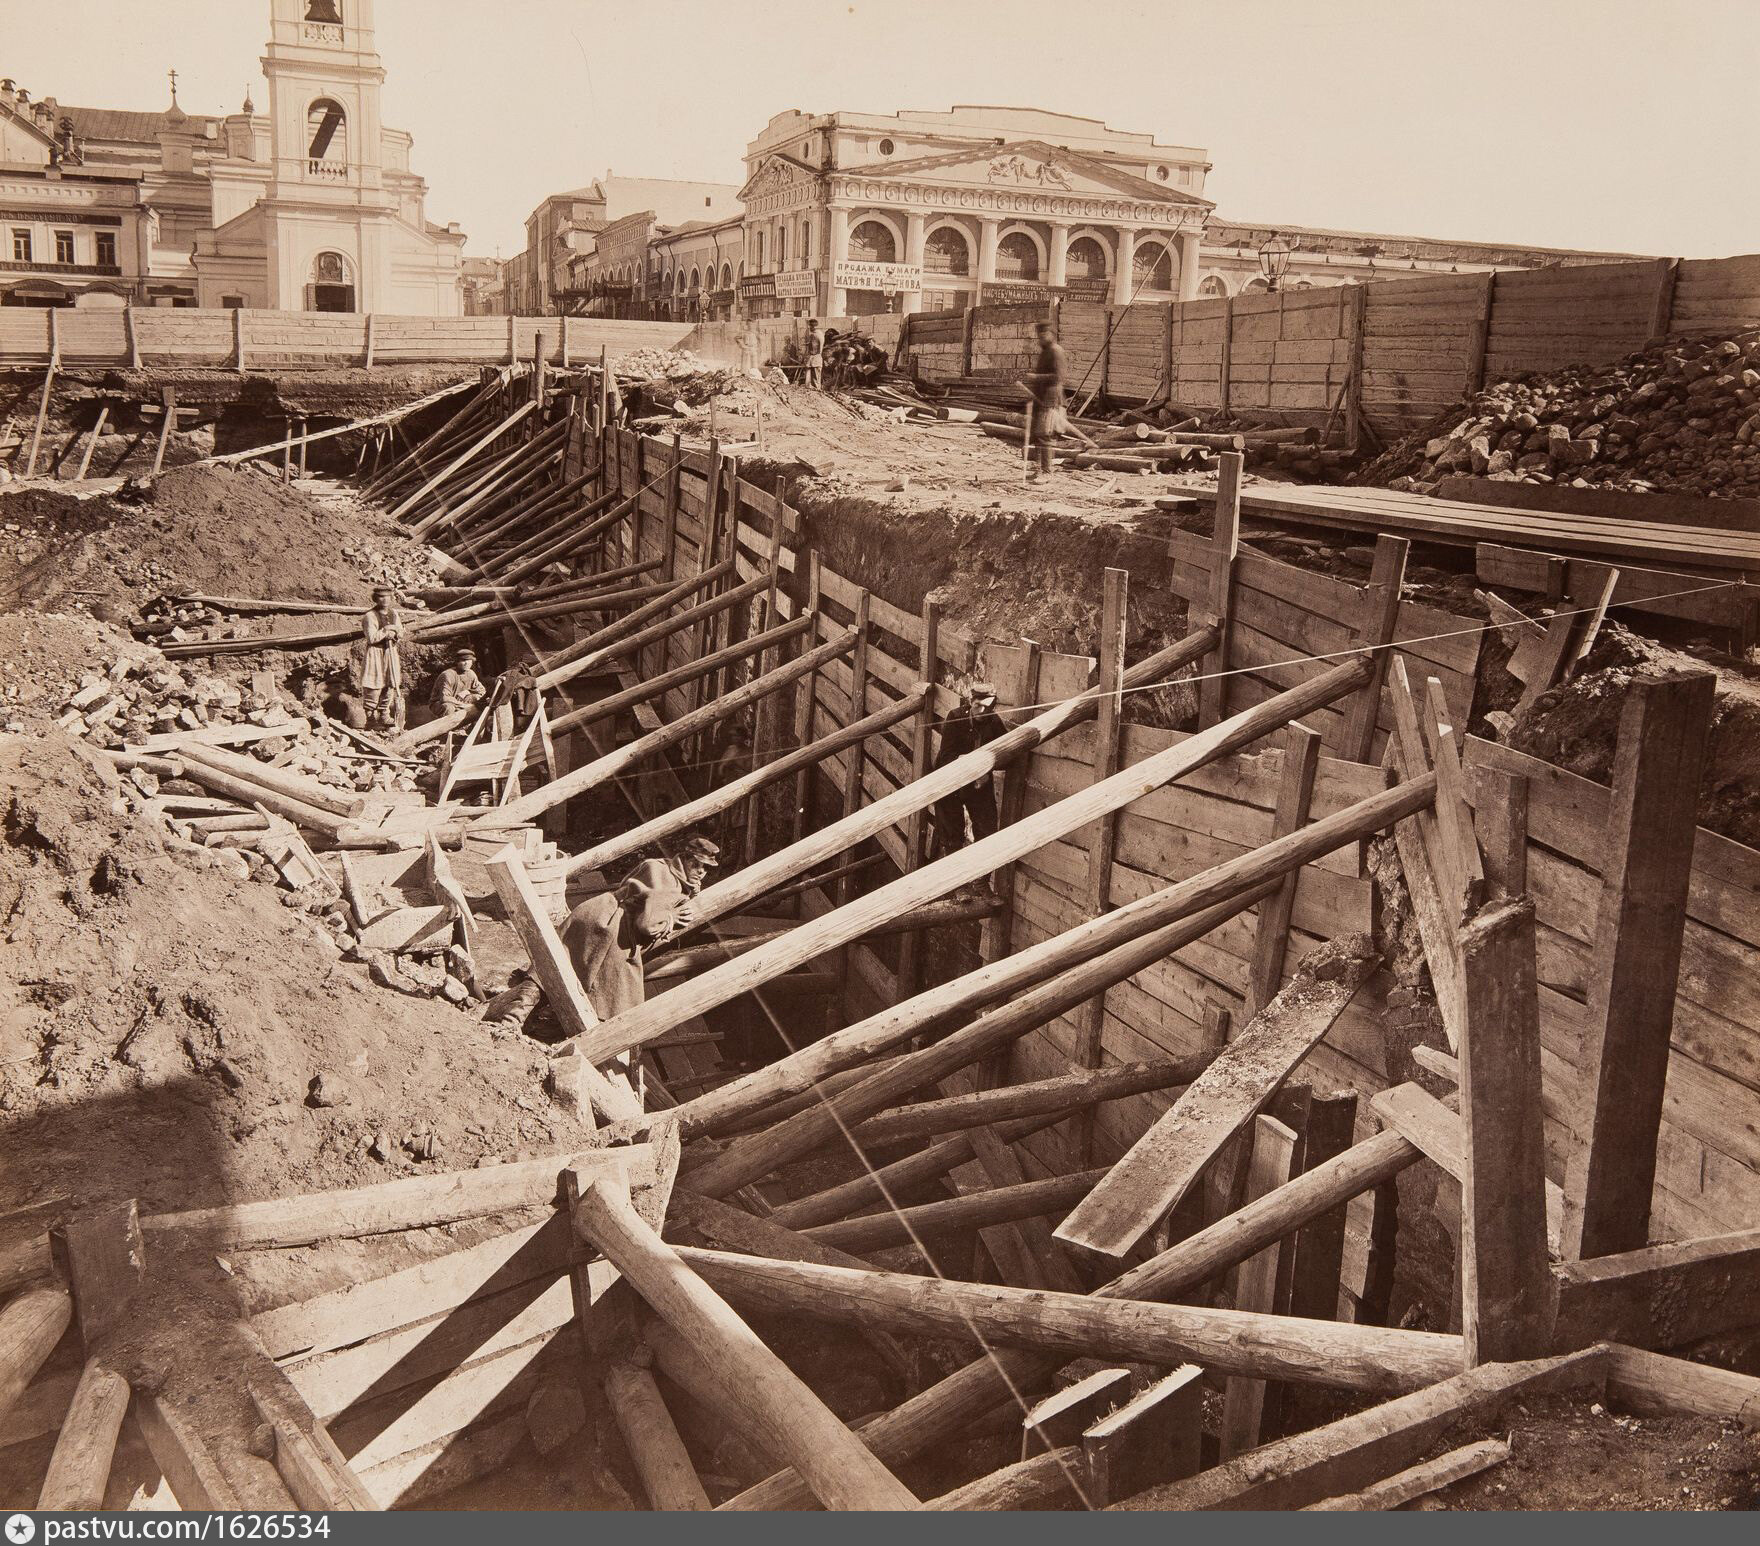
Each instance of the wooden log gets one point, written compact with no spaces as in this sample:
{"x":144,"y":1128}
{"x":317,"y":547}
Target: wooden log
{"x":85,"y":460}
{"x":593,"y":649}
{"x":1658,"y":1386}
{"x":1063,"y":1416}
{"x":555,"y":974}
{"x":416,"y":1202}
{"x":1420,"y":1480}
{"x":1663,"y":1295}
{"x":79,"y":1469}
{"x":1295,"y":791}
{"x":839,"y":927}
{"x":661,"y":1462}
{"x":251,"y":792}
{"x":601,"y":769}
{"x":1217,"y":610}
{"x":105,"y":1259}
{"x":842,"y":1471}
{"x":306,"y":791}
{"x":1162,"y":1165}
{"x":166,"y":425}
{"x":1353,"y":1452}
{"x":997,"y":1205}
{"x":1052,"y":1477}
{"x":182,"y":1455}
{"x":945,"y":1407}
{"x":476,"y":447}
{"x":311,"y":1465}
{"x":1327,"y":1353}
{"x":31,"y":1323}
{"x":1665,"y":731}
{"x":1506,"y":1288}
{"x":1058,"y":1096}
{"x":682,"y":818}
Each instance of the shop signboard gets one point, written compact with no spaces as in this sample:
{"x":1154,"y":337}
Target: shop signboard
{"x":889,"y":277}
{"x":757,"y":286}
{"x":796,"y":284}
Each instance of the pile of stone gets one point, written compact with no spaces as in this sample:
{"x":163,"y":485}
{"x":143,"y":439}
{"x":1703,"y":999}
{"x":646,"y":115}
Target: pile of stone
{"x":1681,"y":417}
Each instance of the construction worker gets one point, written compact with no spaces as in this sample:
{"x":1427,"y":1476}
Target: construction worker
{"x":606,"y":935}
{"x":1047,"y":417}
{"x":382,"y":666}
{"x":973,"y":724}
{"x":814,"y":352}
{"x":458,"y":688}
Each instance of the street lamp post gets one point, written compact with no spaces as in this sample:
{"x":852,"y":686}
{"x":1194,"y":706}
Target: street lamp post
{"x":1274,"y":257}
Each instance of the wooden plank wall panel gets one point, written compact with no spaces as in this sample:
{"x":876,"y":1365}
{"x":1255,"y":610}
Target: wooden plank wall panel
{"x":1416,"y":336}
{"x":1137,"y":359}
{"x":1708,"y":1171}
{"x":1544,"y":318}
{"x":1081,"y":329}
{"x":1716,"y":294}
{"x":1004,"y":345}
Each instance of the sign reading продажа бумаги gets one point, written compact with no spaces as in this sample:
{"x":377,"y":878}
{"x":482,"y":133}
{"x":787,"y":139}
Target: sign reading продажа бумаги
{"x":853,"y":275}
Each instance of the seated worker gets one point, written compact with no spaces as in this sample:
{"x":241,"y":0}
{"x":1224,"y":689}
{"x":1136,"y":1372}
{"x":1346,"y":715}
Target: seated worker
{"x":868,"y":363}
{"x":606,"y":935}
{"x":458,"y":688}
{"x":973,"y":724}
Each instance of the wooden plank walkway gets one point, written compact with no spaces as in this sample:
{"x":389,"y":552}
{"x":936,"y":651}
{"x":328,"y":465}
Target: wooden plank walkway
{"x":1693,"y":548}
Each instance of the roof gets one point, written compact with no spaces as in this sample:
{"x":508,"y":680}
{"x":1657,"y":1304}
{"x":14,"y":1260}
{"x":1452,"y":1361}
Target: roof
{"x":1223,"y":230}
{"x":107,"y":123}
{"x":1093,"y":166}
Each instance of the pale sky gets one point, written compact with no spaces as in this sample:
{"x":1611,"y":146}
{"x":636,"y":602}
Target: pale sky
{"x":1626,"y":125}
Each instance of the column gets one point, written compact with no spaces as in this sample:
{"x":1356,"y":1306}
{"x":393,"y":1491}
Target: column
{"x":915,"y":225}
{"x":1188,"y":265}
{"x":988,"y":227}
{"x":1124,"y":276}
{"x":836,"y":251}
{"x":1059,"y":275}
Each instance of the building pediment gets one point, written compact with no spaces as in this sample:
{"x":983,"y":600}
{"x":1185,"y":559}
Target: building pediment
{"x":1027,"y":165}
{"x":778,"y":173}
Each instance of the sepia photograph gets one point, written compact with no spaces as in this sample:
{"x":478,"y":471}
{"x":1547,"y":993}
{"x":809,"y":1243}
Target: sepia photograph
{"x":818,"y":755}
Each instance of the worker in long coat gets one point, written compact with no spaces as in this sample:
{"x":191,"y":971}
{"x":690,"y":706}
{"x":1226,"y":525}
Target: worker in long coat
{"x":382,"y":665}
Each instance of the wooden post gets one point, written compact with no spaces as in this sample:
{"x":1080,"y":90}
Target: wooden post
{"x":302,"y":445}
{"x":540,"y":372}
{"x":852,"y":769}
{"x":1295,"y":791}
{"x":910,"y":963}
{"x":1662,"y":302}
{"x":1102,"y":843}
{"x":1256,"y":1279}
{"x":1478,"y":333}
{"x":1225,"y":541}
{"x":1227,"y":347}
{"x":286,"y":449}
{"x":1353,"y":400}
{"x":79,"y":1469}
{"x":564,"y":361}
{"x":238,"y":338}
{"x":1623,"y":1061}
{"x":1062,"y":1417}
{"x":806,"y":706}
{"x":763,"y":714}
{"x":1154,"y":1437}
{"x":30,"y":466}
{"x":512,"y":339}
{"x":996,"y":936}
{"x":1375,"y":631}
{"x":85,"y":461}
{"x":314,"y":1469}
{"x":602,"y":424}
{"x":1506,"y":1278}
{"x":841,"y":1470}
{"x":131,"y":332}
{"x":372,"y":340}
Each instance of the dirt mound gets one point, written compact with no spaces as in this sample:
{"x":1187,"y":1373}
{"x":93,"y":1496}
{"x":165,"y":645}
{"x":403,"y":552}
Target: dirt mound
{"x":1682,"y":416}
{"x":161,"y":1027}
{"x":212,"y":529}
{"x":1576,"y":727}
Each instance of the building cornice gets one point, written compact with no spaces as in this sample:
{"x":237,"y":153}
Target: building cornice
{"x":850,"y":193}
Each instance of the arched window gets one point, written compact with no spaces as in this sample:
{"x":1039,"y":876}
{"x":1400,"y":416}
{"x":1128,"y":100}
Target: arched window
{"x":1255,"y":286}
{"x":871,"y":242}
{"x":1212,"y":289}
{"x":1086,"y":260}
{"x":332,"y":286}
{"x":806,"y":243}
{"x":726,"y":277}
{"x":678,"y":282}
{"x":1303,"y":284}
{"x":1152,"y":268}
{"x":327,"y":140}
{"x":758,"y":256}
{"x":324,"y":10}
{"x":1017,"y":257}
{"x":947,"y":251}
{"x":782,"y":245}
{"x":696,"y":279}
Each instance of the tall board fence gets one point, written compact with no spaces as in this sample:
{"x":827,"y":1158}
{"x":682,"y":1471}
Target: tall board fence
{"x":1396,"y":353}
{"x":1709,"y":1172}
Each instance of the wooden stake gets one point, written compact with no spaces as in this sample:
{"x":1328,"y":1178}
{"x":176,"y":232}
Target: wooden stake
{"x":85,"y":461}
{"x":1506,"y":1283}
{"x":910,"y":972}
{"x":79,"y":1469}
{"x":841,"y":1470}
{"x":1377,"y":629}
{"x":1295,"y":792}
{"x":1224,"y":544}
{"x":665,"y":1469}
{"x":168,"y":402}
{"x":1273,"y":1160}
{"x":1665,"y":732}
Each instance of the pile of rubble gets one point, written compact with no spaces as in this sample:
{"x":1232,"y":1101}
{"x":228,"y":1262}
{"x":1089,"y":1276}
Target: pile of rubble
{"x":1682,"y":417}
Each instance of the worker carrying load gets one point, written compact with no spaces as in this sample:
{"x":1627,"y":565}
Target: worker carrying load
{"x":973,"y":724}
{"x":458,"y":688}
{"x":606,"y":935}
{"x":381,"y":664}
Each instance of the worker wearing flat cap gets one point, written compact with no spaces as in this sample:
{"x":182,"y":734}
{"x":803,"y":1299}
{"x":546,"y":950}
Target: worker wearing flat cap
{"x":458,"y":687}
{"x":382,"y":666}
{"x":973,"y":724}
{"x":606,"y":935}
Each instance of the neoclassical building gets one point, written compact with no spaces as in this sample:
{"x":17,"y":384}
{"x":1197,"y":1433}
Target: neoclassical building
{"x":850,"y":213}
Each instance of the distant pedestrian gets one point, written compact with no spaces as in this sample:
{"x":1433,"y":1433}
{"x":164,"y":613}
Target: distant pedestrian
{"x":814,"y":350}
{"x":1047,"y":416}
{"x":382,"y":668}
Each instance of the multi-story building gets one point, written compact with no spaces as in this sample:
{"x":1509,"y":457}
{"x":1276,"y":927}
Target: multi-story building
{"x":694,"y":269}
{"x":310,"y":206}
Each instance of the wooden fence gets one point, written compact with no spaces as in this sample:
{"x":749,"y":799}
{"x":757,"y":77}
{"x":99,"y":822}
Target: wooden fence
{"x":1281,"y":616}
{"x":1411,"y":346}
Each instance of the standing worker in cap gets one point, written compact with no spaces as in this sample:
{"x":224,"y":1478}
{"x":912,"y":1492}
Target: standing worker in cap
{"x":1047,"y":416}
{"x":382,"y":667}
{"x":606,"y":935}
{"x":813,"y":351}
{"x":973,"y":724}
{"x":458,"y":688}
